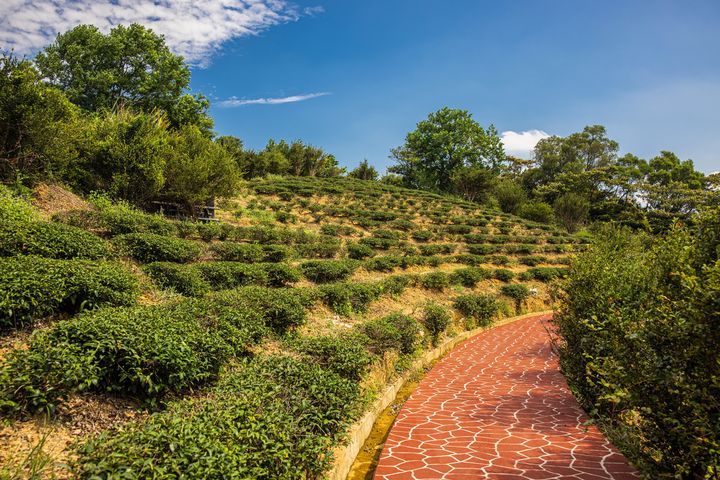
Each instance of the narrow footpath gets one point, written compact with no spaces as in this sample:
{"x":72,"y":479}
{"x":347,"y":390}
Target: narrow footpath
{"x":497,"y":407}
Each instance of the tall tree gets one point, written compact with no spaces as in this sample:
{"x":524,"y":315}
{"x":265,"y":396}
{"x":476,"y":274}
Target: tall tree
{"x":131,"y":66}
{"x":447,"y":140}
{"x":364,"y":171}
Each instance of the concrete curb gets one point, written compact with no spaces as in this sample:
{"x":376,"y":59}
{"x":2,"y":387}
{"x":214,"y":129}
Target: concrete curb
{"x":360,"y":430}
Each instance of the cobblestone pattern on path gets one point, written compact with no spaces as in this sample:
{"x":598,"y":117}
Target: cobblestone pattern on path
{"x":497,"y":407}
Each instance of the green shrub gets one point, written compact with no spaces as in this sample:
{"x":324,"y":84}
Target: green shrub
{"x":481,"y":249}
{"x":184,"y":279}
{"x":348,"y":298}
{"x":470,"y":276}
{"x":481,"y":309}
{"x":149,"y":247}
{"x":139,"y":351}
{"x":395,"y":284}
{"x":323,"y":271}
{"x":379,"y":243}
{"x":227,"y":275}
{"x":537,"y":212}
{"x":503,"y":274}
{"x":396,"y":331}
{"x":325,"y":247}
{"x":359,"y":251}
{"x":547,"y":274}
{"x":422,"y":235}
{"x":435,"y":281}
{"x":32,"y":287}
{"x":533,"y":260}
{"x":280,"y":308}
{"x":436,"y":319}
{"x":238,"y":252}
{"x":470,"y":259}
{"x":498,"y":259}
{"x":117,"y":218}
{"x":208,"y":231}
{"x":437,"y":248}
{"x":518,"y":292}
{"x":280,"y":274}
{"x":14,"y":209}
{"x":345,"y":355}
{"x":385,"y":263}
{"x":277,"y":253}
{"x":274,"y":417}
{"x":52,"y":240}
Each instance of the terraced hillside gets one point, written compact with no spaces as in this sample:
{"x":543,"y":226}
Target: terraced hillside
{"x":245,"y":347}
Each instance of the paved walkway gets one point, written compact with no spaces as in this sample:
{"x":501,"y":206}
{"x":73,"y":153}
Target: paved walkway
{"x":497,"y":407}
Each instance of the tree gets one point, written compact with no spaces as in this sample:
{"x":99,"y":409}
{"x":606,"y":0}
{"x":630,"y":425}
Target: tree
{"x":536,"y":211}
{"x":447,"y":140}
{"x":131,"y":66}
{"x":364,"y":171}
{"x":198,"y":169}
{"x":510,"y":195}
{"x":473,"y":183}
{"x":125,"y":154}
{"x":37,"y":123}
{"x":571,"y":210}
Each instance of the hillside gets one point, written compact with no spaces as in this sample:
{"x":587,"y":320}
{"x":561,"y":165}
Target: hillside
{"x":285,"y":317}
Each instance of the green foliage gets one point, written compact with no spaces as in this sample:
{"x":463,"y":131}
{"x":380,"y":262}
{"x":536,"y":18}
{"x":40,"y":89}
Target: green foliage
{"x":184,"y":279}
{"x":323,"y":271}
{"x":143,"y":351}
{"x":359,"y":251}
{"x":422,"y":235}
{"x":273,"y":417}
{"x":324,"y":247}
{"x":435,"y":280}
{"x":115,"y":218}
{"x":436,"y":319}
{"x":32,"y":287}
{"x":441,"y":145}
{"x":639,"y":344}
{"x":470,"y":276}
{"x":395,"y":284}
{"x":532,"y":260}
{"x":571,"y":210}
{"x":546,"y":274}
{"x":503,"y":274}
{"x":208,"y":231}
{"x":518,"y":292}
{"x":510,"y":195}
{"x":52,"y":240}
{"x":349,"y":298}
{"x":392,"y":332}
{"x":149,"y":247}
{"x":536,"y":211}
{"x":238,"y":252}
{"x":364,"y":171}
{"x":478,"y":308}
{"x":344,"y":355}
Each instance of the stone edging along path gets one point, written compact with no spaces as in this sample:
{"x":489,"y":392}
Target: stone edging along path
{"x":360,"y":430}
{"x":498,"y":407}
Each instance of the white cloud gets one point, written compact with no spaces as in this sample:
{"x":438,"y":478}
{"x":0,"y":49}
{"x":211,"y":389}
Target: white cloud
{"x":238,"y":102}
{"x":193,"y":29}
{"x":522,"y":144}
{"x":317,"y":10}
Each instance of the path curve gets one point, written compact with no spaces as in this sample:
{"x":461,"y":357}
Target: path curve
{"x":497,"y":407}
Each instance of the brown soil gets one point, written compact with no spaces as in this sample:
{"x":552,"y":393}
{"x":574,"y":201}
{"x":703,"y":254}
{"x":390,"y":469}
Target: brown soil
{"x":51,"y":199}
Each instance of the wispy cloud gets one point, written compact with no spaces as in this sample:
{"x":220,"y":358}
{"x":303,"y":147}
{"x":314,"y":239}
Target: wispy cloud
{"x":522,"y":143}
{"x":317,"y":10}
{"x":191,"y":28}
{"x":239,"y":102}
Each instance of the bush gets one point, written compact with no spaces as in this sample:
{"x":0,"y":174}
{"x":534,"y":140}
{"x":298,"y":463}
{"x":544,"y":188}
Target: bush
{"x":323,"y":271}
{"x":208,"y":231}
{"x":469,"y":277}
{"x":395,"y":284}
{"x":503,"y":274}
{"x":139,"y":351}
{"x":436,"y":319}
{"x":33,"y":287}
{"x":280,"y":274}
{"x":359,"y":251}
{"x":396,"y":331}
{"x":348,"y":298}
{"x":422,"y":235}
{"x":238,"y":252}
{"x":325,"y":247}
{"x":344,"y":355}
{"x":385,"y":263}
{"x":250,"y":428}
{"x":547,"y":274}
{"x":120,"y":217}
{"x":479,"y":308}
{"x":518,"y":292}
{"x":280,"y":308}
{"x":539,"y":212}
{"x":149,"y":247}
{"x":533,"y":260}
{"x":481,"y":249}
{"x":435,"y":281}
{"x":184,"y":279}
{"x":51,"y":240}
{"x":470,"y":259}
{"x":638,"y":325}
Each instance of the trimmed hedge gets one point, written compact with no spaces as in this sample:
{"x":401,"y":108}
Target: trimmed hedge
{"x":33,"y":287}
{"x":149,"y":247}
{"x":344,"y":355}
{"x":480,"y":309}
{"x":518,"y":292}
{"x":348,"y":298}
{"x":323,"y":271}
{"x":395,"y":331}
{"x":436,"y":319}
{"x":275,"y":417}
{"x":51,"y":240}
{"x":139,"y":351}
{"x":184,"y":279}
{"x":470,"y":276}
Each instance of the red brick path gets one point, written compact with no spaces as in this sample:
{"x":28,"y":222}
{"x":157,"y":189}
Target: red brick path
{"x":497,"y":407}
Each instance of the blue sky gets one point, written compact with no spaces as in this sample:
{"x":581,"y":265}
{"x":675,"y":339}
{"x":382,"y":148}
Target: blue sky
{"x":647,"y":70}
